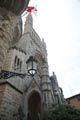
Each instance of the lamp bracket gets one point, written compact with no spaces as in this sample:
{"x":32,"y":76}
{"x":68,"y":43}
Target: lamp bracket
{"x":8,"y":74}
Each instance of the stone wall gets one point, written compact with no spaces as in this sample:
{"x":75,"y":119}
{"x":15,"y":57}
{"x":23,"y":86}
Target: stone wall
{"x":10,"y":101}
{"x":74,"y":101}
{"x":10,"y":31}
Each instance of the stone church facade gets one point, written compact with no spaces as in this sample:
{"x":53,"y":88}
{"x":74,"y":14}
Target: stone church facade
{"x":30,"y":95}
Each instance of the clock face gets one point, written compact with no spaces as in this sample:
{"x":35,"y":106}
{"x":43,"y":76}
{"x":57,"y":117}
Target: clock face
{"x":15,"y":6}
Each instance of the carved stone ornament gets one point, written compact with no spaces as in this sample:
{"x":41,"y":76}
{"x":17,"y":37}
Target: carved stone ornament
{"x":33,"y":85}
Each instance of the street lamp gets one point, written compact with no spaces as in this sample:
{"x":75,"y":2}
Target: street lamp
{"x":31,"y":68}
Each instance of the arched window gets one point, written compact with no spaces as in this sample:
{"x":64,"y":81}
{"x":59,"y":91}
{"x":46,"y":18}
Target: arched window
{"x":45,"y":97}
{"x":40,"y":62}
{"x":15,"y":63}
{"x":18,"y":64}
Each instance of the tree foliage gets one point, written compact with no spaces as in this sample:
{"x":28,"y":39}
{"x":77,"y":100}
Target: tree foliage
{"x":62,"y":112}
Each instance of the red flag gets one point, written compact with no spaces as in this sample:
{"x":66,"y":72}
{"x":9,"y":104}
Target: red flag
{"x":31,"y":8}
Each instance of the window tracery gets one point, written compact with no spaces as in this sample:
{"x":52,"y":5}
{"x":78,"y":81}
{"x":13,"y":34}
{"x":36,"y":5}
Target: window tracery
{"x":17,"y":64}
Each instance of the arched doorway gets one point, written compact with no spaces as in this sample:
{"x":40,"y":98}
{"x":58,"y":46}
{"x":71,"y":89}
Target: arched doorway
{"x":34,"y":106}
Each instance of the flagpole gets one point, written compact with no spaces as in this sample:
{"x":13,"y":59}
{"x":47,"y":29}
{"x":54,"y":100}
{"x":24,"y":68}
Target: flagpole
{"x":24,"y":14}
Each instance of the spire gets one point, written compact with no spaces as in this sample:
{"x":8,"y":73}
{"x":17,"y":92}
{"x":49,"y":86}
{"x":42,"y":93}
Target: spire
{"x":29,"y":20}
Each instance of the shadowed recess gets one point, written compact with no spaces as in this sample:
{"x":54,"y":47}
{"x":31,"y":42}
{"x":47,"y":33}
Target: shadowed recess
{"x":16,"y":6}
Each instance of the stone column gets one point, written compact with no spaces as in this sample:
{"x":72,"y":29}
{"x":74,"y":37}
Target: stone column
{"x":10,"y":31}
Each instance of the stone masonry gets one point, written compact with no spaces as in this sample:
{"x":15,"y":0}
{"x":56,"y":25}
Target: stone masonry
{"x":10,"y":31}
{"x":9,"y":101}
{"x":19,"y":92}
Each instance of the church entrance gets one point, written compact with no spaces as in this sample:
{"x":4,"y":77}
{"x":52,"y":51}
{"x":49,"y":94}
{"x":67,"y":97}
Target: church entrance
{"x":34,"y":106}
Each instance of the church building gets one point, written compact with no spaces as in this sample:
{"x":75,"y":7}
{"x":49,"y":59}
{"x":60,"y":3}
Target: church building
{"x":28,"y":96}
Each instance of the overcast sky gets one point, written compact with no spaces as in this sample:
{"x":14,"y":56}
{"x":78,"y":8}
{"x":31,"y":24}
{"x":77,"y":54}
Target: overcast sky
{"x":58,"y":22}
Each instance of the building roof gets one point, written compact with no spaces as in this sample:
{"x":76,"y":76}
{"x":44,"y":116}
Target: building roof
{"x":74,"y":96}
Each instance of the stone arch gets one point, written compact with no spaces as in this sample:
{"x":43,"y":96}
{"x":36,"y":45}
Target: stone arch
{"x":34,"y":105}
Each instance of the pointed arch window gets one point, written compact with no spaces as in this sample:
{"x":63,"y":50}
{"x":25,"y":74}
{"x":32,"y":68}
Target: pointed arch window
{"x":15,"y":63}
{"x":18,"y":62}
{"x":20,"y":65}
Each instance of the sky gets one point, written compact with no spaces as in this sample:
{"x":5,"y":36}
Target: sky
{"x":58,"y":22}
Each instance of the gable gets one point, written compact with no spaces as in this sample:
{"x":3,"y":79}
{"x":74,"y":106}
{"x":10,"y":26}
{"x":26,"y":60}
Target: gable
{"x":33,"y":85}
